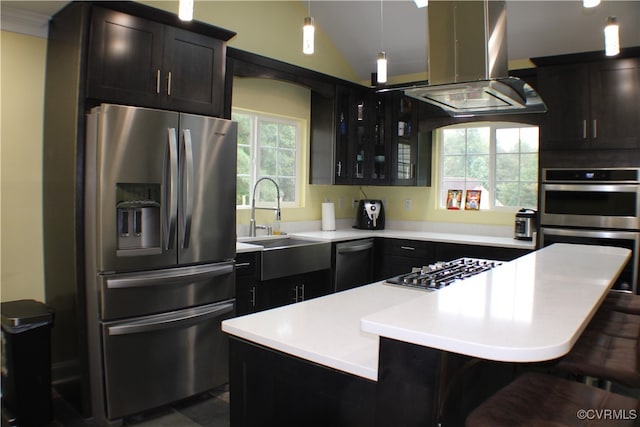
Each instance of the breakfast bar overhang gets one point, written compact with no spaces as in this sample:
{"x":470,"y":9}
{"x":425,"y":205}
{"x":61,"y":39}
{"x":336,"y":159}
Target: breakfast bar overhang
{"x":382,"y":354}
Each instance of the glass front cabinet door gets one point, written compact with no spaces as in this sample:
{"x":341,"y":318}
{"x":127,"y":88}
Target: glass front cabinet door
{"x":405,"y":141}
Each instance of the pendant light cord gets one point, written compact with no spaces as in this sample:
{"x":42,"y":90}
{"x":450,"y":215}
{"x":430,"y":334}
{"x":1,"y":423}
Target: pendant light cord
{"x":381,"y":28}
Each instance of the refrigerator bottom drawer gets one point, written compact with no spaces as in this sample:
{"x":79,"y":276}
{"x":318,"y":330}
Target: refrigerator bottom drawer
{"x":155,"y":360}
{"x":125,"y":295}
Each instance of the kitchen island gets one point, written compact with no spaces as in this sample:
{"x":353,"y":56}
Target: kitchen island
{"x":366,"y":356}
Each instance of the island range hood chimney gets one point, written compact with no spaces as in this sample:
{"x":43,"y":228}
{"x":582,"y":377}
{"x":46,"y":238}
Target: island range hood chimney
{"x":468,"y":62}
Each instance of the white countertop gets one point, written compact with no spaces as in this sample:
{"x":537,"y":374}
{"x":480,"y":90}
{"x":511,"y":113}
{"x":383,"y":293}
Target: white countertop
{"x":325,"y":330}
{"x":531,"y":309}
{"x":431,"y":236}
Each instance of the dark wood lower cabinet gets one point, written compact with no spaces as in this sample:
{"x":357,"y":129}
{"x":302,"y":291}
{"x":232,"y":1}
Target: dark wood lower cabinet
{"x":400,"y":255}
{"x":269,"y":388}
{"x":451,"y":251}
{"x":417,"y":386}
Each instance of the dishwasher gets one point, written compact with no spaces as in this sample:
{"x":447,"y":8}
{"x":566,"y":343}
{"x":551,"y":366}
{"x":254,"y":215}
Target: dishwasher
{"x":353,"y":264}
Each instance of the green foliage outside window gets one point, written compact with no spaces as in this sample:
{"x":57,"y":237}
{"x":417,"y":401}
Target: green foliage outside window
{"x":267,"y":147}
{"x":499,"y":159}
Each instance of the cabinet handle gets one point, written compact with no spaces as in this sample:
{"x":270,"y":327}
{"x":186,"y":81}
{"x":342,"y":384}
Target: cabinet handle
{"x":242,"y":265}
{"x":407,"y":248}
{"x":169,"y":84}
{"x":158,"y":81}
{"x":295,"y":298}
{"x":301,"y":292}
{"x":340,"y":168}
{"x":584,"y":129}
{"x":595,"y":128}
{"x":253,"y":297}
{"x":413,"y":170}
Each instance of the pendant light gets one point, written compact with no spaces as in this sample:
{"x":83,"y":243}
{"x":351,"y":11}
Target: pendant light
{"x":308,"y":33}
{"x":382,"y":56}
{"x":590,"y":3}
{"x":611,"y":37}
{"x":185,"y":10}
{"x":382,"y":67}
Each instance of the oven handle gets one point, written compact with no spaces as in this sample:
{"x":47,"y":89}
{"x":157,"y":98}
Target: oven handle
{"x":626,"y":188}
{"x":596,"y":234}
{"x":183,"y":318}
{"x":168,"y":277}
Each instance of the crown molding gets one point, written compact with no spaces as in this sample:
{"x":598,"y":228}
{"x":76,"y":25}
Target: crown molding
{"x":24,"y":22}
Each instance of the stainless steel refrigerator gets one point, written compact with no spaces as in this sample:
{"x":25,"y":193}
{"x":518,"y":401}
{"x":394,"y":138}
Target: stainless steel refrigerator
{"x":160,"y":234}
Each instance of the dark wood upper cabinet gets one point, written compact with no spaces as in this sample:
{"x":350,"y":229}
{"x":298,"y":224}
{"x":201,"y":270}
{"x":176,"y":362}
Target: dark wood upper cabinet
{"x":348,"y":143}
{"x":615,"y":103}
{"x":591,"y":105}
{"x":196,"y":64}
{"x":140,"y":62}
{"x":124,"y":55}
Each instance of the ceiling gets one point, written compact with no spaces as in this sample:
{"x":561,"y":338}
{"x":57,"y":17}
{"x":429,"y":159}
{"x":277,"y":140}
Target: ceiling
{"x":534,"y":28}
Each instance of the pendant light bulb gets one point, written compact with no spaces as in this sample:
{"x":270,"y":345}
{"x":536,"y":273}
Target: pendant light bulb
{"x":308,"y":32}
{"x":590,"y":3}
{"x":382,"y":67}
{"x":185,"y":10}
{"x":611,"y":37}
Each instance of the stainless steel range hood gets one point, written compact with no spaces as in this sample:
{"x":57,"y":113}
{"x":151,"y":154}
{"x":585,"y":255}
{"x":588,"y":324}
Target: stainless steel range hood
{"x":468,"y":63}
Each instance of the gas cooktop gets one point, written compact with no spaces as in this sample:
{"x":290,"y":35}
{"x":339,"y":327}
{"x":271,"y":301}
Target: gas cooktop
{"x":440,"y":274}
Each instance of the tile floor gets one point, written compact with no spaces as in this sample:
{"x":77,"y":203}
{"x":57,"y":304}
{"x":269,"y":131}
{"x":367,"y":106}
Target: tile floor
{"x":206,"y":410}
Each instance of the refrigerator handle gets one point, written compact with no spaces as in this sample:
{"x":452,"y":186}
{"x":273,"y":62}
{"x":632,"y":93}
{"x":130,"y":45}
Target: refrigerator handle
{"x":172,"y":320}
{"x":170,"y":185}
{"x":169,"y":277}
{"x":186,"y":195}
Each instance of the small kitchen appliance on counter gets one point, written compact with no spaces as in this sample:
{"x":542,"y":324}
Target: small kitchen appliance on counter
{"x":525,"y":224}
{"x":370,"y":215}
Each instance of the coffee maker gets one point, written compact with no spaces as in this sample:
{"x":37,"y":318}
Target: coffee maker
{"x":370,"y":215}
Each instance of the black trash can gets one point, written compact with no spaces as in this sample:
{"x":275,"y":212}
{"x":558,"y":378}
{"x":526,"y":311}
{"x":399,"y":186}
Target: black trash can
{"x":26,"y":363}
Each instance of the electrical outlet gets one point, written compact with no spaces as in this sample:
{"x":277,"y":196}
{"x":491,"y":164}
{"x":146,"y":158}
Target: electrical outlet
{"x":340,"y":202}
{"x":354,"y":203}
{"x":407,"y":204}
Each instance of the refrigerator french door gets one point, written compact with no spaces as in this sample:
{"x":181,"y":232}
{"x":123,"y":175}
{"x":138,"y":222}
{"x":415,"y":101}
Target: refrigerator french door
{"x":163,"y":188}
{"x":160,"y":242}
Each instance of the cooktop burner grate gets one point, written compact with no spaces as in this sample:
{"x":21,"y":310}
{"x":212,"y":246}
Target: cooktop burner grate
{"x":440,"y":274}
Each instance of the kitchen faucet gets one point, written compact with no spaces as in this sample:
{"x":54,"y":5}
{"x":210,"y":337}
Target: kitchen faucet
{"x":252,"y":221}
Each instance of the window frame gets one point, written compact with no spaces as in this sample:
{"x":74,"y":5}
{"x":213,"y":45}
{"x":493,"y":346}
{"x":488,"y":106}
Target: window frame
{"x":493,"y":155}
{"x":256,"y":118}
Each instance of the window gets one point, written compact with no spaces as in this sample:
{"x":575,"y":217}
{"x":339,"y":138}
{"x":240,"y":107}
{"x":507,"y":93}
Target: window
{"x":268,"y":146}
{"x":501,"y":159}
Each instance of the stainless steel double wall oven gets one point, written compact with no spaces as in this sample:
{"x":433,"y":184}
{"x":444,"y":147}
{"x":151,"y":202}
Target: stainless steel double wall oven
{"x":594,"y":206}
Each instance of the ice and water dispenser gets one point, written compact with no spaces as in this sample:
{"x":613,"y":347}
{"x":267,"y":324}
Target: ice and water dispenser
{"x":138,"y":218}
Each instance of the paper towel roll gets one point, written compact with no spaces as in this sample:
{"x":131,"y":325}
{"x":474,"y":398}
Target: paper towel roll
{"x":328,"y":217}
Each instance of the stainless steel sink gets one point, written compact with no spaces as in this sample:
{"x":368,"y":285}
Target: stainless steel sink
{"x":289,"y":256}
{"x":285,"y":242}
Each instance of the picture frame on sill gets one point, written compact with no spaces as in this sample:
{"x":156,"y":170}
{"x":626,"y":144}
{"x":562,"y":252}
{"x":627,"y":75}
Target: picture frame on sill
{"x":472,"y":200}
{"x":454,"y":199}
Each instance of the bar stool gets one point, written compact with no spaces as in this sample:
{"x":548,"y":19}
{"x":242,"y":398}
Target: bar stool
{"x":542,"y":400}
{"x":604,"y":356}
{"x":615,"y":323}
{"x":624,"y":302}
